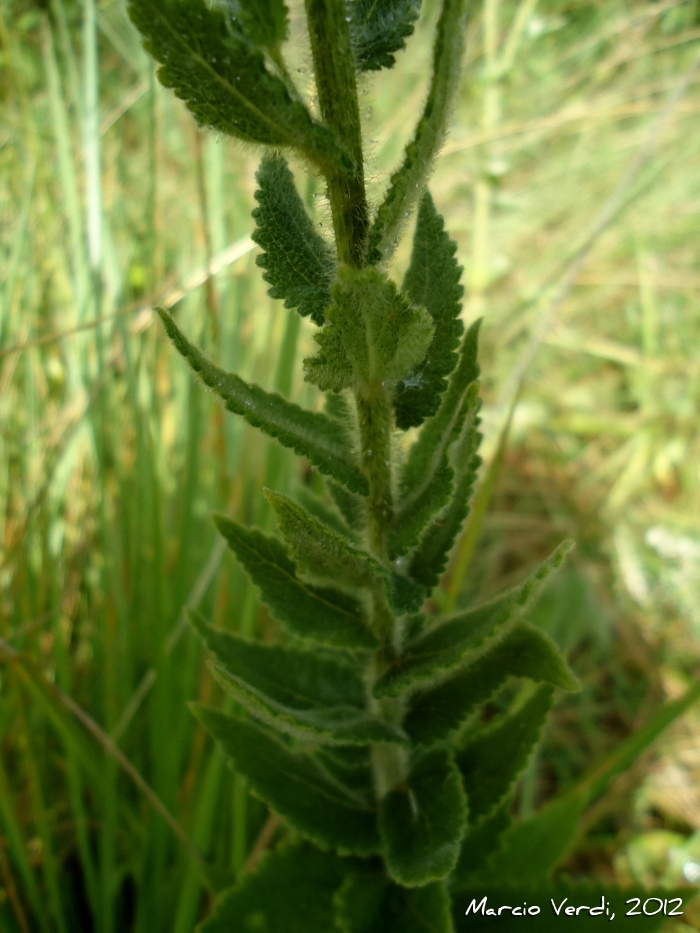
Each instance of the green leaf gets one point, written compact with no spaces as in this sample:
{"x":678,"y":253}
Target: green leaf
{"x":524,"y":652}
{"x":367,"y":902}
{"x":410,"y":522}
{"x":352,"y":507}
{"x":349,"y":764}
{"x":426,"y":477}
{"x":298,"y":263}
{"x":611,"y":904}
{"x":531,"y":849}
{"x":492,"y":761}
{"x":222,"y":77}
{"x":320,"y":614}
{"x":295,"y":786}
{"x":481,"y":842}
{"x":459,"y":404}
{"x":422,"y":823}
{"x":314,"y":697}
{"x":432,"y":282}
{"x":310,"y":434}
{"x":264,"y":22}
{"x":291,"y":892}
{"x":320,"y":551}
{"x":408,"y":182}
{"x":379,"y":28}
{"x":449,"y":643}
{"x":373,"y":334}
{"x":326,"y":513}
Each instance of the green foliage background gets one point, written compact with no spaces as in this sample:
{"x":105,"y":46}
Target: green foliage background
{"x":110,"y":457}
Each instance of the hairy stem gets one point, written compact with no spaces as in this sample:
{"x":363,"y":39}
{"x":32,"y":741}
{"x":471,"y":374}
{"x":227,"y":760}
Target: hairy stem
{"x":337,"y":96}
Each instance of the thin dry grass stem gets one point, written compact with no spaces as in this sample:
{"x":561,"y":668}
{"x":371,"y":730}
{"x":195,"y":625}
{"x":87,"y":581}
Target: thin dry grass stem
{"x":105,"y":741}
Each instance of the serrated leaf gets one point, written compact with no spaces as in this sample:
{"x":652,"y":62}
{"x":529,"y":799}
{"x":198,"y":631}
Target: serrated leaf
{"x":455,"y":640}
{"x":313,"y":697}
{"x":523,"y":652}
{"x":432,"y":282}
{"x":410,"y":522}
{"x":264,"y":22}
{"x":404,"y":595}
{"x":472,"y":912}
{"x":298,"y":263}
{"x":291,"y":892}
{"x":321,"y":614}
{"x":324,"y":512}
{"x":295,"y":786}
{"x":310,"y":434}
{"x":532,"y":848}
{"x":372,"y":331}
{"x":351,"y":506}
{"x":426,"y":480}
{"x":421,"y":825}
{"x":367,"y":902}
{"x":459,"y":403}
{"x":320,"y":551}
{"x":223,"y":79}
{"x":492,"y":761}
{"x":429,"y":560}
{"x":379,"y":28}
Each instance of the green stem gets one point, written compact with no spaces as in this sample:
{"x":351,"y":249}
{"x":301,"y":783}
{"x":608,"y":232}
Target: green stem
{"x":334,"y":67}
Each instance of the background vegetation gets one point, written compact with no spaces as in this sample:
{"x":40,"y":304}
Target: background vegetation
{"x":571,"y":181}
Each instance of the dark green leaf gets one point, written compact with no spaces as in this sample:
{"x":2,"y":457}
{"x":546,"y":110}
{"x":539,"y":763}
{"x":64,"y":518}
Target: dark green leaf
{"x":321,"y":614}
{"x":459,"y":402}
{"x":531,"y":849}
{"x":421,"y":825}
{"x":291,"y":892}
{"x":523,"y":652}
{"x":611,"y":904}
{"x":404,"y":595}
{"x":298,"y":262}
{"x":429,"y":559}
{"x":264,"y":22}
{"x":368,"y":903}
{"x":492,"y":761}
{"x":349,"y":764}
{"x":313,"y":697}
{"x":432,"y":282}
{"x":295,"y":786}
{"x":481,"y":842}
{"x":310,"y":434}
{"x":351,"y":506}
{"x":410,"y":522}
{"x":379,"y":28}
{"x":453,"y":641}
{"x":223,"y":79}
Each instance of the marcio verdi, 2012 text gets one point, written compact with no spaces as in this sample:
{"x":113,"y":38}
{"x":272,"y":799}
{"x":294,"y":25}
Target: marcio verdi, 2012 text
{"x":669,"y":907}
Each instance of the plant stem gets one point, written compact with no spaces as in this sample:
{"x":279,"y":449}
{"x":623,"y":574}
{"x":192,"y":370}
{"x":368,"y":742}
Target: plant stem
{"x":337,"y":96}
